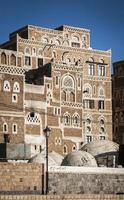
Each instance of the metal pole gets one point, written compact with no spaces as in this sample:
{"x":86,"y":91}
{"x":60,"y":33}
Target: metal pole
{"x":47,"y":164}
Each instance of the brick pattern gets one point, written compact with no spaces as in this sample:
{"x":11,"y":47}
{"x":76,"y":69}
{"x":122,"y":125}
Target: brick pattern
{"x":20,"y":178}
{"x":79,"y":183}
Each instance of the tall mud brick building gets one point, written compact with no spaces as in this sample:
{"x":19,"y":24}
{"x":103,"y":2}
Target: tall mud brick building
{"x":53,"y":77}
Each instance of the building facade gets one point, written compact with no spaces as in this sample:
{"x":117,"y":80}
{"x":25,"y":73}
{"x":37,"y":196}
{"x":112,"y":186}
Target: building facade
{"x":118,"y":102}
{"x":53,"y":77}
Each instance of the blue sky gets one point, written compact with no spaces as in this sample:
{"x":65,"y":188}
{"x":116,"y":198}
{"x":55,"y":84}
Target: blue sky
{"x":105,"y":19}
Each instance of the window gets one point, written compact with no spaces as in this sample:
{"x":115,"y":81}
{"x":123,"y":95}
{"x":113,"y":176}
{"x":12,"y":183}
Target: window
{"x":87,"y":90}
{"x":72,"y":97}
{"x":40,"y":148}
{"x":65,"y":150}
{"x":14,"y":98}
{"x":101,"y":104}
{"x":101,"y":70}
{"x":91,"y":69}
{"x":73,"y":148}
{"x":40,"y":62}
{"x":45,"y":40}
{"x":27,"y":51}
{"x":75,"y":44}
{"x":5,"y":128}
{"x":87,"y":103}
{"x":13,"y":60}
{"x":16,"y":87}
{"x":67,"y":119}
{"x":27,"y":60}
{"x":6,"y":86}
{"x":76,"y":120}
{"x":57,"y":78}
{"x":64,"y":96}
{"x":3,"y":59}
{"x":33,"y":118}
{"x":88,"y":138}
{"x":79,"y":82}
{"x":14,"y":128}
{"x":102,"y":137}
{"x":57,"y":111}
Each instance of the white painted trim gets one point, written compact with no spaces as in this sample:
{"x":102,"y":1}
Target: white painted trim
{"x":86,"y":170}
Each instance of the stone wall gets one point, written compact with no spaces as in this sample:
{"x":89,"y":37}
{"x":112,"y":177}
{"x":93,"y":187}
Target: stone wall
{"x":63,"y":197}
{"x":84,"y":180}
{"x":21,"y":178}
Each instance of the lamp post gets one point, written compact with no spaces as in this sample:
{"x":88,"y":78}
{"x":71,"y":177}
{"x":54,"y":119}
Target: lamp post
{"x":46,"y":131}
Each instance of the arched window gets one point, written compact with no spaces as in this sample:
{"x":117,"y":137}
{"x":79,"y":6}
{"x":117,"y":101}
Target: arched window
{"x":14,"y":128}
{"x":5,"y":128}
{"x":76,"y":120}
{"x":3,"y":59}
{"x":13,"y":60}
{"x":45,"y":40}
{"x":64,"y":96}
{"x":75,"y":38}
{"x":40,"y":52}
{"x":33,"y":118}
{"x":54,"y":54}
{"x":88,"y":130}
{"x":57,"y":42}
{"x":102,"y":131}
{"x":68,"y":85}
{"x":68,"y":82}
{"x":6,"y":86}
{"x":101,"y":92}
{"x":67,"y":119}
{"x":87,"y":90}
{"x":72,"y":97}
{"x":16,"y":87}
{"x":67,"y":60}
{"x":65,"y":149}
{"x":27,"y":51}
{"x":74,"y":148}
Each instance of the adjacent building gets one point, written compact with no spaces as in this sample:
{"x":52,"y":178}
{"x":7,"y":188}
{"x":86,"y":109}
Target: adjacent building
{"x":53,"y":77}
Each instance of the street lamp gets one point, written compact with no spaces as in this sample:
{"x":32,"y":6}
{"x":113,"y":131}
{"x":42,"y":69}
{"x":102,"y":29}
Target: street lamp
{"x":47,"y":131}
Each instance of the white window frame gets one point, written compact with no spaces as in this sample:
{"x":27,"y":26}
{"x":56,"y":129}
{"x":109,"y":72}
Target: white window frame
{"x":5,"y":124}
{"x":8,"y":89}
{"x":13,"y":127}
{"x":14,"y":100}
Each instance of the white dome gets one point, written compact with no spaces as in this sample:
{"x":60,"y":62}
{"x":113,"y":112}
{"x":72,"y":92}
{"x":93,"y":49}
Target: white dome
{"x":79,"y":158}
{"x":100,"y":147}
{"x":54,"y":159}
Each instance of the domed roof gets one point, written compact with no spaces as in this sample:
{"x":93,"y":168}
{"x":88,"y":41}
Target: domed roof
{"x":100,"y":147}
{"x":54,"y":159}
{"x":79,"y":158}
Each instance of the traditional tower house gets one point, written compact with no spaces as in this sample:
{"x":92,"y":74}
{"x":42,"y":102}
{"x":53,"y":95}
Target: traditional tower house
{"x":61,"y":82}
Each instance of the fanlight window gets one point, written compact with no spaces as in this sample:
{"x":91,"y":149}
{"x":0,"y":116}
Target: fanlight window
{"x":101,"y":92}
{"x":16,"y":87}
{"x":27,"y":50}
{"x":33,"y":118}
{"x":6,"y":86}
{"x":13,"y":60}
{"x":3,"y":58}
{"x":76,"y":120}
{"x":68,"y":82}
{"x":75,"y":38}
{"x":67,"y":119}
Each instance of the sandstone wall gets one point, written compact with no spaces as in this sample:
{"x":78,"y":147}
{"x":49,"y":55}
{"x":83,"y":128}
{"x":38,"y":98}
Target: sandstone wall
{"x":20,"y":178}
